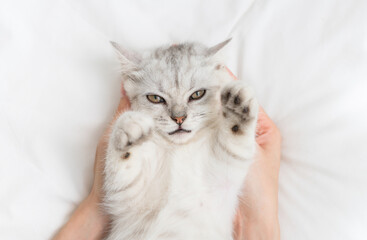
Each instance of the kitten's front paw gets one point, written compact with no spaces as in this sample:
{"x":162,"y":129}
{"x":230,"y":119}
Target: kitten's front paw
{"x":239,"y":104}
{"x":130,"y":128}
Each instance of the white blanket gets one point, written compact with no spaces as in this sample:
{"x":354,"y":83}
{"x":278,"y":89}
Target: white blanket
{"x":307,"y":61}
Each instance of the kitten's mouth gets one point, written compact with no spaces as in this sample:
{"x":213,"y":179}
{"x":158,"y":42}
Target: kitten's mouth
{"x":179,"y":130}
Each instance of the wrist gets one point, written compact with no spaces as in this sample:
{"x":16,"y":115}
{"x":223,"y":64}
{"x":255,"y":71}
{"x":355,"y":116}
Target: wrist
{"x":260,"y":221}
{"x":92,"y":220}
{"x":87,"y":222}
{"x":92,"y":204}
{"x":261,"y":229}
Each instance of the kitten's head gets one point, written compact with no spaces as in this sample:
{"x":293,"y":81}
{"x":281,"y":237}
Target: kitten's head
{"x":177,"y":85}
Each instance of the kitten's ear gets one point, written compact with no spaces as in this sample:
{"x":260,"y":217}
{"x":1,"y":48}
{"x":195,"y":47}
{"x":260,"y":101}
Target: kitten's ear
{"x":213,"y":50}
{"x":128,"y":59}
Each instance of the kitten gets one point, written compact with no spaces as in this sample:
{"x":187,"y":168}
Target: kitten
{"x":176,"y":162}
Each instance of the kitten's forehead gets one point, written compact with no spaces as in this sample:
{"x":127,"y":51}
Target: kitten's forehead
{"x":182,"y":66}
{"x":180,"y":50}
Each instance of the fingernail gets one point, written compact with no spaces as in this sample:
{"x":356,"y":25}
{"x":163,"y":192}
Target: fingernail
{"x":123,"y":92}
{"x":230,"y":73}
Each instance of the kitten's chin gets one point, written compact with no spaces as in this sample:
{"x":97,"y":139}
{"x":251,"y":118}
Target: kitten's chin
{"x":179,"y":137}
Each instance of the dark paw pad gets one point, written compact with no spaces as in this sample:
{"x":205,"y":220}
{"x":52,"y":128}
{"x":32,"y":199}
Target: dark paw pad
{"x":239,"y":106}
{"x":125,"y":156}
{"x":225,"y":97}
{"x":235,"y":128}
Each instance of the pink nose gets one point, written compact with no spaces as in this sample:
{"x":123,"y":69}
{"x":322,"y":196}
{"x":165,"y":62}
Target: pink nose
{"x":179,"y":120}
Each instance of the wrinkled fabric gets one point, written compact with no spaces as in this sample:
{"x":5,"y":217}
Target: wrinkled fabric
{"x":307,"y":61}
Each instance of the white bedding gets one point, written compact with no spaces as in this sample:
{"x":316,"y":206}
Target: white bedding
{"x":307,"y":61}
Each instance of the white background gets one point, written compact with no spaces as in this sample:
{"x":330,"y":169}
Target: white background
{"x":307,"y":61}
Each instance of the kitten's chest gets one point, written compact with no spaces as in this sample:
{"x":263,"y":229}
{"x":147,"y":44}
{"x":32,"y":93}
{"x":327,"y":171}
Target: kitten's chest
{"x":201,"y":192}
{"x":200,"y":176}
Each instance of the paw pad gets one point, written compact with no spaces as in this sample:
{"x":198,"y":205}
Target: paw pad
{"x":235,"y":128}
{"x":238,"y":105}
{"x":245,"y":109}
{"x":125,"y":156}
{"x":237,"y":100}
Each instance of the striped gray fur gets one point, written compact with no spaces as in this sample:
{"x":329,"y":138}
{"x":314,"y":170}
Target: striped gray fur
{"x":176,"y":161}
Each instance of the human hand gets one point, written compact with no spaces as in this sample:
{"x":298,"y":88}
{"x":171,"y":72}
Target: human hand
{"x":96,"y":192}
{"x":258,"y":211}
{"x":88,"y":221}
{"x":257,"y":215}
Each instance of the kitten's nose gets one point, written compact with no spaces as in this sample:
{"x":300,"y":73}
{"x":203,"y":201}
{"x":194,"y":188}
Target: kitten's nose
{"x":179,"y":120}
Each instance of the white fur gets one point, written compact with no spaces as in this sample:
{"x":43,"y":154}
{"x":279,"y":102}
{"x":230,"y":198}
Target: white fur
{"x":184,"y":186}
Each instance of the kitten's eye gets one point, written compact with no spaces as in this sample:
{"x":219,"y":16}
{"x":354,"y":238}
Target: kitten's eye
{"x":156,"y":99}
{"x":197,"y":95}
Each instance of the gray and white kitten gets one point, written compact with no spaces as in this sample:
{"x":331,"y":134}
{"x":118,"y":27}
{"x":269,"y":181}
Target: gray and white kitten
{"x":176,"y":162}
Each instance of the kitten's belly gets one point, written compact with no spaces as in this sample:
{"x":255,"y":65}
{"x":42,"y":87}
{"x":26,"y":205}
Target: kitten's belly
{"x":192,"y":196}
{"x":202,"y":197}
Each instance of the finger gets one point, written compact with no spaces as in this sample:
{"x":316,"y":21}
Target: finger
{"x":124,"y":103}
{"x":261,"y":120}
{"x":267,"y":133}
{"x":123,"y":92}
{"x":262,"y":115}
{"x":230,"y":73}
{"x":264,"y":124}
{"x":238,"y":226}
